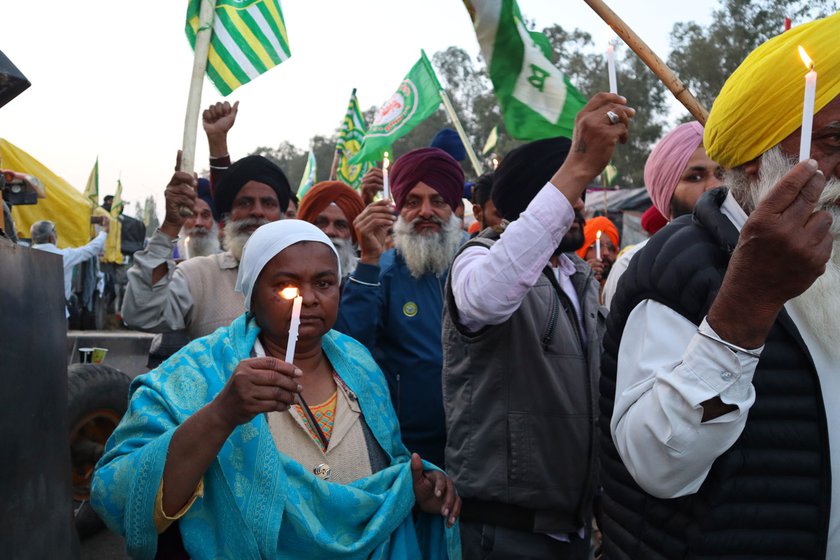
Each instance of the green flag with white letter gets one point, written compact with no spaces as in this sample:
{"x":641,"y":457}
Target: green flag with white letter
{"x":537,"y":100}
{"x":417,"y":97}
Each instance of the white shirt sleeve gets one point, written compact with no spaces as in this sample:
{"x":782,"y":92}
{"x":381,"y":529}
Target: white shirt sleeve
{"x":665,"y":370}
{"x":489,"y":285}
{"x":74,"y":256}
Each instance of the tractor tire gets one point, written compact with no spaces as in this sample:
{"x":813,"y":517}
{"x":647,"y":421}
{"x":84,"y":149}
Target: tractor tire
{"x":97,"y":398}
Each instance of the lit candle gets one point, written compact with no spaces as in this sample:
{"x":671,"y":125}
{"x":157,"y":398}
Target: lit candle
{"x":187,"y":248}
{"x":495,"y":163}
{"x":807,"y":107}
{"x":598,"y":245}
{"x":611,"y":67}
{"x":386,"y":189}
{"x":292,"y":293}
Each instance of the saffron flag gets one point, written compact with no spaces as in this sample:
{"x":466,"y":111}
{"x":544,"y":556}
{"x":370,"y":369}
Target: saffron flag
{"x":350,"y":138}
{"x":537,"y":100}
{"x":417,"y":97}
{"x":249,"y":38}
{"x":310,"y":172}
{"x":92,"y":187}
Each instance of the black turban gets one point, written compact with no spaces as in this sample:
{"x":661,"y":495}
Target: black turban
{"x":524,"y":171}
{"x":250,"y":168}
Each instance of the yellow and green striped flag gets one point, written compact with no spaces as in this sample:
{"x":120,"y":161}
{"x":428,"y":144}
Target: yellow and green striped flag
{"x":249,"y":38}
{"x":92,"y":187}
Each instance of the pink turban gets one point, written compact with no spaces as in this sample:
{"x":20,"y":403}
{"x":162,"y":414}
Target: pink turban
{"x":432,"y":166}
{"x":667,"y":162}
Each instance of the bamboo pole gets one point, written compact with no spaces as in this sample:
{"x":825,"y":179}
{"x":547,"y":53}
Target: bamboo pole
{"x":334,"y":166}
{"x":202,"y":48}
{"x":447,"y":104}
{"x":665,"y":74}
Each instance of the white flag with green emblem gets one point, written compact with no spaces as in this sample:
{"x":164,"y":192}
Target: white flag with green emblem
{"x":310,"y":172}
{"x":249,"y":38}
{"x":349,"y":142}
{"x":537,"y":100}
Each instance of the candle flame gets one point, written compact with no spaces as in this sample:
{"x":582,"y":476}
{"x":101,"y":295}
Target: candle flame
{"x":598,"y":234}
{"x":495,"y":163}
{"x":809,"y":64}
{"x":187,"y":240}
{"x":289,"y":293}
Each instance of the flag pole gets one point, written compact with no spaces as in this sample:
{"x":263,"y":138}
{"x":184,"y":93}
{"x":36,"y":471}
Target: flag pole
{"x":202,"y":48}
{"x":447,"y":104}
{"x":665,"y":74}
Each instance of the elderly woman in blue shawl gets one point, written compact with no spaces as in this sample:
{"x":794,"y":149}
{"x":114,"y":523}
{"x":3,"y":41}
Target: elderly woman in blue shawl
{"x":220,"y":436}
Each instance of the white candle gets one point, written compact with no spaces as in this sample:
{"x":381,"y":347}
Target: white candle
{"x":807,"y":107}
{"x":386,"y":189}
{"x":187,"y":248}
{"x":294,"y":325}
{"x":495,"y":163}
{"x":598,"y":245}
{"x":611,"y":68}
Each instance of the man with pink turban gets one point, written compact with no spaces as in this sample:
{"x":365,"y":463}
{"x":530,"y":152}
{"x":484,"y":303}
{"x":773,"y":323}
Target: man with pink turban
{"x":392,"y":302}
{"x":677,"y":172}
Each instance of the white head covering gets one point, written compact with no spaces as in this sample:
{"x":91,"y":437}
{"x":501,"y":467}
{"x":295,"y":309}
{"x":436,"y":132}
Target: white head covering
{"x":267,"y":242}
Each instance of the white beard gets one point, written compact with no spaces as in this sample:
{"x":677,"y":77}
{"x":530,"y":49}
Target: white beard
{"x":201,"y":244}
{"x":428,"y":252}
{"x":236,"y":234}
{"x":819,"y":305}
{"x":347,"y":258}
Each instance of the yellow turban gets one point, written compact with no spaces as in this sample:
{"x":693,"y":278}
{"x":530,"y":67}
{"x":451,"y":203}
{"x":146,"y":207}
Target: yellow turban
{"x":761,"y":103}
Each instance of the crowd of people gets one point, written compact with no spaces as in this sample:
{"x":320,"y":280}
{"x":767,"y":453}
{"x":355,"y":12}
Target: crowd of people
{"x":361,"y":377}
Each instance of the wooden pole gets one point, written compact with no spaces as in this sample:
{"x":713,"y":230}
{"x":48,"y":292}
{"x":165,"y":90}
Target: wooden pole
{"x":665,"y":74}
{"x":202,"y":48}
{"x":334,"y":167}
{"x":447,"y":104}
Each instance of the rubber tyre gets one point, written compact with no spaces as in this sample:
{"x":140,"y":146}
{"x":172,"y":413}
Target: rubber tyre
{"x":97,"y":398}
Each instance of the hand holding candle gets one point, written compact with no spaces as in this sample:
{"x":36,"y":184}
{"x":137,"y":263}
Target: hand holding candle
{"x":292,"y":293}
{"x":386,"y":189}
{"x":598,"y":245}
{"x":807,"y":107}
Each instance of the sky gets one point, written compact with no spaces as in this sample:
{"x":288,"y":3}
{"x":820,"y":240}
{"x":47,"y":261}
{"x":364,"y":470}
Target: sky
{"x":110,"y":78}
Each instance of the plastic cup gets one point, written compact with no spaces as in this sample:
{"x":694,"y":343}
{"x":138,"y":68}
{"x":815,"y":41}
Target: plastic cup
{"x":85,"y":355}
{"x":98,"y":355}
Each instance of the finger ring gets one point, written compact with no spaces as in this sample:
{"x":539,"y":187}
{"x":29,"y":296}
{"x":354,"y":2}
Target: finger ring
{"x":614,"y":118}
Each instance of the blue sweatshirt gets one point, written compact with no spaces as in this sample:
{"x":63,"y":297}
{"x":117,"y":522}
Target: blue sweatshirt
{"x":398,"y":318}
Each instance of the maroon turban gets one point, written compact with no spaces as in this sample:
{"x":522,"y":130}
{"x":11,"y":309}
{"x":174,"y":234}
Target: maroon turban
{"x":325,"y":193}
{"x":432,"y":166}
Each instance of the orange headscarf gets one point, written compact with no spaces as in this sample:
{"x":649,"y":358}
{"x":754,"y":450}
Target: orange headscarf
{"x":327,"y":192}
{"x":591,"y":229}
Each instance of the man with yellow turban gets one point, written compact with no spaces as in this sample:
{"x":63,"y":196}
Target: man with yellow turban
{"x":720,"y":422}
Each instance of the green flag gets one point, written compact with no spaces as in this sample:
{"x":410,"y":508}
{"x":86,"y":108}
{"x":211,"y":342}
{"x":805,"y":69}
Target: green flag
{"x":349,"y":141}
{"x":249,"y":38}
{"x":309,"y":174}
{"x":537,"y":100}
{"x":92,"y":187}
{"x":417,"y":97}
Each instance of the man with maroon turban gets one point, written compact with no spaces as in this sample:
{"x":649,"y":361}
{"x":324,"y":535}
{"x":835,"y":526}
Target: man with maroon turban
{"x":333,"y":206}
{"x":392,"y":303}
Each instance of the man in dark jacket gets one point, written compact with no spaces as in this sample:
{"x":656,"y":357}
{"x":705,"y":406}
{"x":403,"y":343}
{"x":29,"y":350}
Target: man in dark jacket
{"x":521,"y":352}
{"x":392,"y":302}
{"x":720,"y":391}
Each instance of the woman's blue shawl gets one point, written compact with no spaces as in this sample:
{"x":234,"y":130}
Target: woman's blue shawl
{"x":257,"y":502}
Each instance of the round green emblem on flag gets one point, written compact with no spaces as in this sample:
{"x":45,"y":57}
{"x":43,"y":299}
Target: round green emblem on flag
{"x":410,"y":309}
{"x":397,"y":111}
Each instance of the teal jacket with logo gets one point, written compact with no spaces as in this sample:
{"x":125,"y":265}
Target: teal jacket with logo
{"x":398,"y":318}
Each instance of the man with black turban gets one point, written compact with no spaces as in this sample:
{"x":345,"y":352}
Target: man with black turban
{"x":720,"y":381}
{"x":521,"y":346}
{"x":392,"y":302}
{"x":197,"y":294}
